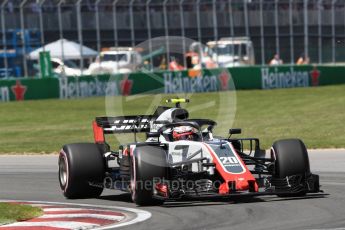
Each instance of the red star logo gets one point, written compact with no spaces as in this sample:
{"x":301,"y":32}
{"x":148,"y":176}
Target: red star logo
{"x":19,"y":91}
{"x":224,"y":80}
{"x":315,"y":74}
{"x":126,"y":86}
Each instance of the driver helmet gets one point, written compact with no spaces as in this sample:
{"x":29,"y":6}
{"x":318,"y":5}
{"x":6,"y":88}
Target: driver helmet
{"x":184,"y":133}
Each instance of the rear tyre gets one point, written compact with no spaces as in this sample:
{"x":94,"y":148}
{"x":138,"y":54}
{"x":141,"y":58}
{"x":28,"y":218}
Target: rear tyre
{"x":80,"y":164}
{"x":291,"y":158}
{"x":147,"y":163}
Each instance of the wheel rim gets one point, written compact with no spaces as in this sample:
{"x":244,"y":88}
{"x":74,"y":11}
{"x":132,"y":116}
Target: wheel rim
{"x":63,"y":171}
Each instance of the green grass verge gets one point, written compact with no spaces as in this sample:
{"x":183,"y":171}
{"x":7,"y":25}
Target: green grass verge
{"x":10,"y":213}
{"x":315,"y":115}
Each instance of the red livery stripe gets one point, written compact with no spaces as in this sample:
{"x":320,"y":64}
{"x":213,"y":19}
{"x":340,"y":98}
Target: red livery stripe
{"x":84,"y":212}
{"x":246,"y":176}
{"x":76,"y":219}
{"x":32,"y":228}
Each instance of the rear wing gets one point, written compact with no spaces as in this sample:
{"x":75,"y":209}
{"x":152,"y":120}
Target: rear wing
{"x":130,"y":124}
{"x":121,"y":124}
{"x":125,"y":124}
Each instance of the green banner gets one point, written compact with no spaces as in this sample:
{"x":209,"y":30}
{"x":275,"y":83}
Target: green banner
{"x":45,"y":65}
{"x":194,"y":81}
{"x":286,"y":76}
{"x":189,"y":81}
{"x":28,"y":89}
{"x":257,"y":77}
{"x":106,"y":85}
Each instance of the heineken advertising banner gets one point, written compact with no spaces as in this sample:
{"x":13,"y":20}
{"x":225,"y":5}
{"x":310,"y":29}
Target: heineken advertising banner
{"x":106,"y":85}
{"x":269,"y":77}
{"x":150,"y":83}
{"x":256,"y":77}
{"x":28,"y":89}
{"x":286,"y":76}
{"x":194,"y":81}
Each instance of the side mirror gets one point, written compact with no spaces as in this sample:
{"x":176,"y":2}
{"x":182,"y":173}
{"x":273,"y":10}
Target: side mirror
{"x":152,"y":135}
{"x":235,"y":131}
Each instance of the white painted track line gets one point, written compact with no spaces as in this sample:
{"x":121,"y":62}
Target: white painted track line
{"x":54,"y":224}
{"x":98,"y":216}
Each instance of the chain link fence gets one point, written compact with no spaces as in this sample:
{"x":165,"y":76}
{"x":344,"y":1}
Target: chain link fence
{"x":288,"y":28}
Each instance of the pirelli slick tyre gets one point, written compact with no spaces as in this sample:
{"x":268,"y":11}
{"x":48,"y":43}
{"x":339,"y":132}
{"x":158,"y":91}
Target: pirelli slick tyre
{"x":291,"y":158}
{"x":80,"y":164}
{"x":147,"y":163}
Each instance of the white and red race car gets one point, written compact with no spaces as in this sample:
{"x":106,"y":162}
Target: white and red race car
{"x":182,"y":159}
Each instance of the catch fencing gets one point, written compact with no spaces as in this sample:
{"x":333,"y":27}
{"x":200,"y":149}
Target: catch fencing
{"x":289,"y":28}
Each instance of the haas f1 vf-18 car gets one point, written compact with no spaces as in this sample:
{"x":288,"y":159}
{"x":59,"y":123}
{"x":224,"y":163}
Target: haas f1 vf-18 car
{"x":181,"y":158}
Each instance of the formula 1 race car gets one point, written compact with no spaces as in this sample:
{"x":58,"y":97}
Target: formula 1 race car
{"x":182,"y":159}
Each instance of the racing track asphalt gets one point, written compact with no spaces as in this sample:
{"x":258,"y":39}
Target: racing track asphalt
{"x":35,"y":178}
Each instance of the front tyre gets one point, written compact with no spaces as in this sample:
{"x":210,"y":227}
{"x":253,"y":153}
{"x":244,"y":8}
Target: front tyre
{"x":80,"y":164}
{"x":147,"y":163}
{"x":291,"y":162}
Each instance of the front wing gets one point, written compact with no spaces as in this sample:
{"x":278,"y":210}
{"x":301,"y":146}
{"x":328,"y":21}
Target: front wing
{"x":297,"y":185}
